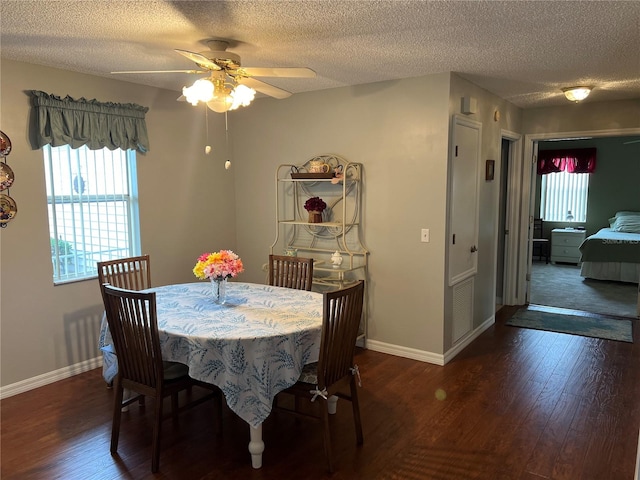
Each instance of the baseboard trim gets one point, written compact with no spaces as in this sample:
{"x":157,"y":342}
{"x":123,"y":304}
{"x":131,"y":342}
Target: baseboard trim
{"x":471,"y":336}
{"x":405,"y":352}
{"x":50,"y":377}
{"x":430,"y":357}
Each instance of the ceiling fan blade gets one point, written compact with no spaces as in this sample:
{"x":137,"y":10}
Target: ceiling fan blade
{"x":161,"y":71}
{"x":201,"y":60}
{"x":265,"y":88}
{"x":283,"y":72}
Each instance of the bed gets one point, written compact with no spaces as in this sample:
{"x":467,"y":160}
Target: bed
{"x":614,"y":253}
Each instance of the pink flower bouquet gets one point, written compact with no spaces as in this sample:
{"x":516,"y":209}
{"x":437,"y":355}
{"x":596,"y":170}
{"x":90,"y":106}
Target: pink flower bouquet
{"x":218,"y":265}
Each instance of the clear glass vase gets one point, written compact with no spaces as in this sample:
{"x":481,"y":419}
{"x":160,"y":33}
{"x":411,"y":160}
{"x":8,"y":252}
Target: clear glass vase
{"x":219,"y":289}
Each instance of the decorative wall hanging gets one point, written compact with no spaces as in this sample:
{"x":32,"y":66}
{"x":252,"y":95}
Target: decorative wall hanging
{"x":8,"y":207}
{"x":5,"y":145}
{"x":6,"y":176}
{"x":490,"y":170}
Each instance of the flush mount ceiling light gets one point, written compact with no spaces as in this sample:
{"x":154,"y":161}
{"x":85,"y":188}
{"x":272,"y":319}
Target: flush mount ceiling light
{"x":575,"y":94}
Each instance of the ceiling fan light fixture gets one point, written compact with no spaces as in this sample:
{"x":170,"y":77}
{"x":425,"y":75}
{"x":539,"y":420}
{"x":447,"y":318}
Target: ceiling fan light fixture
{"x":221,"y":100}
{"x":242,"y":96}
{"x":225,"y":98}
{"x":576,"y":94}
{"x":220,"y":104}
{"x":201,"y":91}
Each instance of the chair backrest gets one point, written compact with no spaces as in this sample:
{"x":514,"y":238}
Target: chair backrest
{"x":290,"y":272}
{"x":341,"y":310}
{"x":133,"y":326}
{"x":131,"y":273}
{"x":537,"y":228}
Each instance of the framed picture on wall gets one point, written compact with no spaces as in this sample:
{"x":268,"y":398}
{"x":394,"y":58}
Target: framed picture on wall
{"x":490,"y":170}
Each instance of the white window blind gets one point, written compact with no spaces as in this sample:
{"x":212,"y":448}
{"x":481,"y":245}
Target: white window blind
{"x":563,"y":197}
{"x":93,"y":208}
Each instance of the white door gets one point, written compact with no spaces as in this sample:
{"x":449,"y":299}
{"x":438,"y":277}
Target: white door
{"x":463,"y":212}
{"x":463,"y":222}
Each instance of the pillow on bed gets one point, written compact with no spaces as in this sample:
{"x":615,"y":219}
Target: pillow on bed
{"x":626,"y":214}
{"x":627,"y":223}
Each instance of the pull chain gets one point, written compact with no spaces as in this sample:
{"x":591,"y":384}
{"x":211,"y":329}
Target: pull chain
{"x":207,"y":148}
{"x":227,"y":164}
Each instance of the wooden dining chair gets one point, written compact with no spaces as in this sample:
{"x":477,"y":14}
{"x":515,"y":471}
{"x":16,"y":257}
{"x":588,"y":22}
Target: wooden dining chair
{"x":133,"y":323}
{"x":132,"y":273}
{"x":290,"y":272}
{"x":335,"y":373}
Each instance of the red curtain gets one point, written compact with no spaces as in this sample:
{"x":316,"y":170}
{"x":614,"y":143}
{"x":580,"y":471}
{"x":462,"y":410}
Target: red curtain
{"x":576,"y":160}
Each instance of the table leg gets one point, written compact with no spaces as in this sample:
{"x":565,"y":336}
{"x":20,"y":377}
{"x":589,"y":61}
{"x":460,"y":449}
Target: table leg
{"x":256,"y":446}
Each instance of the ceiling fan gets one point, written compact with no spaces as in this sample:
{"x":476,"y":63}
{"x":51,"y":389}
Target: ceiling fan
{"x":227,"y":73}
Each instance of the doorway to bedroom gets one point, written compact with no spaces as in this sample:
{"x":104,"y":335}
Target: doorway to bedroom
{"x":612,"y":187}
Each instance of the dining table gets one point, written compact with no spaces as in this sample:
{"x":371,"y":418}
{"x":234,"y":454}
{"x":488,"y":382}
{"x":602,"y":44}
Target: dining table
{"x":252,"y":347}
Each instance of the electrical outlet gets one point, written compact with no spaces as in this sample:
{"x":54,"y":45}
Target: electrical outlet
{"x":424,"y":235}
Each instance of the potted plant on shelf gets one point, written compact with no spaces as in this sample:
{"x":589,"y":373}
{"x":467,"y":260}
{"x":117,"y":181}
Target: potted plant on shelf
{"x":315,"y":206}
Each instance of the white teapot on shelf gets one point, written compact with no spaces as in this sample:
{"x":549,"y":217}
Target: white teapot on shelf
{"x":336,"y":259}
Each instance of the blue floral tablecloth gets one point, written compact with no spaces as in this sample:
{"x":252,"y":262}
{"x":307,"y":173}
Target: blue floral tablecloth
{"x":252,"y":347}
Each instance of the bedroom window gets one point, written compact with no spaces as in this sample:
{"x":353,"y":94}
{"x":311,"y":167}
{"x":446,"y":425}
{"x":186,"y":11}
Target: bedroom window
{"x":92,"y":206}
{"x":563,"y":197}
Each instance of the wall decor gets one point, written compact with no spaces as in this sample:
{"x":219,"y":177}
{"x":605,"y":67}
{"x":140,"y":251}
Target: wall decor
{"x":490,"y":170}
{"x":6,"y":176}
{"x":8,"y":208}
{"x":5,"y":144}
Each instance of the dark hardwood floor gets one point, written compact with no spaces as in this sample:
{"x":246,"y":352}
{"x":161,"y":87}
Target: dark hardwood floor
{"x":520,"y":404}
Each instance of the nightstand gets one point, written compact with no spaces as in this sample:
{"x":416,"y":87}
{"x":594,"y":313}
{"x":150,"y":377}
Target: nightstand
{"x":564,"y":245}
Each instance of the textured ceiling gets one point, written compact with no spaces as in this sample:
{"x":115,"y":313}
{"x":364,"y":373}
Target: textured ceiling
{"x":523,"y":51}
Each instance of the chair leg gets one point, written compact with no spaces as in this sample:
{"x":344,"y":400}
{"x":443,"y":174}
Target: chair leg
{"x":356,"y":411}
{"x":117,"y":413}
{"x":332,"y":404}
{"x":155,"y":443}
{"x":326,"y":435}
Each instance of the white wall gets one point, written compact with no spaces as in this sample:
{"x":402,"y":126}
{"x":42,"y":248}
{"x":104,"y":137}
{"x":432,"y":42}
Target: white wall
{"x":186,"y":207}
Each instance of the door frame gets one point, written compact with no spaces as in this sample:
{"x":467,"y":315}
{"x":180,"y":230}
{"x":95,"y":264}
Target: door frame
{"x":519,"y":270}
{"x":512,"y":213}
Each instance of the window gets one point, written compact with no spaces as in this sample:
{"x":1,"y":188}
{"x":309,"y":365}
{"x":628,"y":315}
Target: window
{"x":563,"y":197}
{"x":93,"y":208}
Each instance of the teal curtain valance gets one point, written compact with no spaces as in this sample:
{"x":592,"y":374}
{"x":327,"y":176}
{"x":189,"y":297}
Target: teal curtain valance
{"x":65,"y":121}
